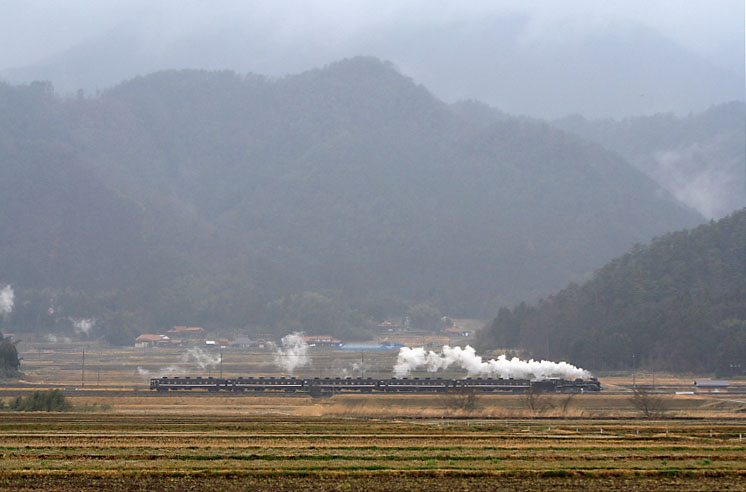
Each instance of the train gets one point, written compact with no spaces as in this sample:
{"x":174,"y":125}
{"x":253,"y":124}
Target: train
{"x":317,"y":386}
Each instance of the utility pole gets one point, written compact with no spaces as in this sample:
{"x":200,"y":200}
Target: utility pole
{"x":221,"y":364}
{"x":362,"y":364}
{"x":634,"y":384}
{"x":82,"y":371}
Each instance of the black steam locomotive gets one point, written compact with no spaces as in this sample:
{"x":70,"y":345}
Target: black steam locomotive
{"x":370,"y":385}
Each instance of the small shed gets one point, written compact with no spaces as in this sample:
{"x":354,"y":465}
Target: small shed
{"x":243,"y":342}
{"x":711,"y":385}
{"x":322,"y":341}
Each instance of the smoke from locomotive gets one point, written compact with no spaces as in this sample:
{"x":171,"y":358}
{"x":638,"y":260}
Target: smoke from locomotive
{"x":292,"y":353}
{"x":411,"y":359}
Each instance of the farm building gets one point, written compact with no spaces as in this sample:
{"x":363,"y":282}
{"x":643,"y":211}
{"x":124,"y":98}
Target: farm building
{"x":322,"y":341}
{"x":711,"y":385}
{"x":153,"y":340}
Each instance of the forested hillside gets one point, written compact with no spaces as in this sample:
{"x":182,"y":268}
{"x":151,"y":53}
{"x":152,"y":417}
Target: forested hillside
{"x":232,"y":201}
{"x":678,"y":304}
{"x":698,"y":158}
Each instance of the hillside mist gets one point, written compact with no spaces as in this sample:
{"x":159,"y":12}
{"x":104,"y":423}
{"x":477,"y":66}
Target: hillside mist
{"x":212,"y":198}
{"x":700,"y":158}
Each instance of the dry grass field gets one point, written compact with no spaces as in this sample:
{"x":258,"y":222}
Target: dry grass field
{"x":139,"y":440}
{"x":190,"y":452}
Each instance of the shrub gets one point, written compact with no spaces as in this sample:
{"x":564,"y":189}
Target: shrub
{"x":9,"y":361}
{"x":42,"y":401}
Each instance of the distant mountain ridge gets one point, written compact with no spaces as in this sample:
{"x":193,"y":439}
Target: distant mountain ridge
{"x":349,"y":180}
{"x":621,"y":69}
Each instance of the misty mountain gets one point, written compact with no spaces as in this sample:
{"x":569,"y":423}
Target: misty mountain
{"x":61,"y":227}
{"x":233,"y":191}
{"x":678,"y":303}
{"x":620,"y":69}
{"x":700,"y":158}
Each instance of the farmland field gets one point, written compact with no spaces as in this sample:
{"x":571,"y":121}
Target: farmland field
{"x":142,"y":452}
{"x":122,"y":437}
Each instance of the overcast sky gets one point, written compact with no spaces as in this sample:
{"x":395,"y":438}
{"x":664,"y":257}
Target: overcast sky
{"x":33,"y":30}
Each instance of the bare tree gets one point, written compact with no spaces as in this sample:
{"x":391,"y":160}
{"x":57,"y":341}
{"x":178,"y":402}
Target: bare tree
{"x":566,"y":401}
{"x":647,"y":403}
{"x":462,"y":400}
{"x":537,"y":401}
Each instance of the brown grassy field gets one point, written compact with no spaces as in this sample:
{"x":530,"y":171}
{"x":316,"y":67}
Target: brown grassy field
{"x":400,"y":405}
{"x":190,"y":452}
{"x":137,"y":440}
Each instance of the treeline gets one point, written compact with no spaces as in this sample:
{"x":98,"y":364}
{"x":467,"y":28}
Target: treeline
{"x":67,"y":314}
{"x":677,"y":304}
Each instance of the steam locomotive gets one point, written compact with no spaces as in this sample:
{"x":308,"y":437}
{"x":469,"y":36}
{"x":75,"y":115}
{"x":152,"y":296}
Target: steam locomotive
{"x":370,"y":385}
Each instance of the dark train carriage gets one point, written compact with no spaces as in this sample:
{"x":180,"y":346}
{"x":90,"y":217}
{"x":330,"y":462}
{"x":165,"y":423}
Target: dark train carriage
{"x":415,"y":384}
{"x":493,"y":384}
{"x":334,"y":385}
{"x":166,"y":383}
{"x":286,"y":384}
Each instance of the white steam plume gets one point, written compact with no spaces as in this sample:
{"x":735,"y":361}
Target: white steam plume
{"x":164,"y":371}
{"x":293,"y":353}
{"x":200,"y":357}
{"x":83,"y":325}
{"x":51,"y":338}
{"x":193,"y":356}
{"x":7,"y":297}
{"x":411,"y":359}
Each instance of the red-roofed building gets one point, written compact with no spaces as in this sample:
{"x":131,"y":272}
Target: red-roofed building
{"x":457,"y":332}
{"x":152,"y":340}
{"x":389,"y":327}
